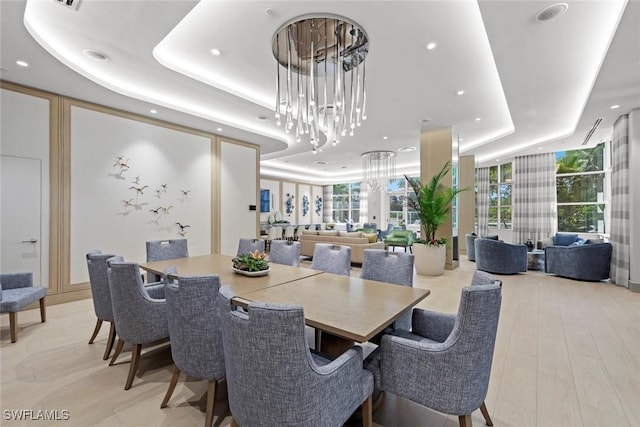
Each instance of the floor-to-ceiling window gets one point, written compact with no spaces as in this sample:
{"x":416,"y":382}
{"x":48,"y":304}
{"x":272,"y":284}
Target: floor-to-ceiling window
{"x":500,"y":196}
{"x":399,"y":212}
{"x":580,"y":184}
{"x":346,"y":202}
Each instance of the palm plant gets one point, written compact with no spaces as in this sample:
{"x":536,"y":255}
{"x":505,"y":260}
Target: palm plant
{"x":432,"y":203}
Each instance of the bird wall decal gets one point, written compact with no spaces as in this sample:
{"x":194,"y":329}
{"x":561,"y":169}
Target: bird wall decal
{"x":156,"y":211}
{"x":136,"y":180}
{"x":127,"y":203}
{"x":139,"y":190}
{"x":185,"y":193}
{"x":182,"y":227}
{"x":166,"y":210}
{"x":121,"y":163}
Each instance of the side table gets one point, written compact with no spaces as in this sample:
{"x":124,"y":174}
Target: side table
{"x":535,"y":260}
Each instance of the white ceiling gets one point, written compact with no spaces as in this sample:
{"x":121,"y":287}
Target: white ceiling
{"x":535,"y":86}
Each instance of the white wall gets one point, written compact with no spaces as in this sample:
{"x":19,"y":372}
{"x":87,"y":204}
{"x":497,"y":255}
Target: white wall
{"x":100,"y":219}
{"x":238,"y":185}
{"x":25,"y":133}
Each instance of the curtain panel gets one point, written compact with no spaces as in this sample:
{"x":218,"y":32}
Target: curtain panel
{"x":482,"y":200}
{"x":620,"y":203}
{"x":534,"y":206}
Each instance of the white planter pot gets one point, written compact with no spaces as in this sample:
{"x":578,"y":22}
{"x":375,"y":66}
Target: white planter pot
{"x":429,"y":260}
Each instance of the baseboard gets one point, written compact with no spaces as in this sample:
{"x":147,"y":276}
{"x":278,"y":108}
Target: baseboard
{"x":634,"y":287}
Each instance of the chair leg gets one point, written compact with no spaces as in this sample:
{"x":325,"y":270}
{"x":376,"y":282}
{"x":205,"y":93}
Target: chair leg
{"x":118,"y":351}
{"x":485,"y":414}
{"x":43,"y":310}
{"x":465,"y":420}
{"x":133,"y":368}
{"x":110,"y":340}
{"x":13,"y":319}
{"x":234,"y":423}
{"x":211,"y":401}
{"x":95,"y":331}
{"x":172,"y":385}
{"x":367,"y":418}
{"x":318,"y":334}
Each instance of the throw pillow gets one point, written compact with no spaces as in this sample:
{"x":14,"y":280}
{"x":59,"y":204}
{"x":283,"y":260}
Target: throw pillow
{"x":564,"y":239}
{"x":578,"y":242}
{"x":372,"y":237}
{"x":492,"y":237}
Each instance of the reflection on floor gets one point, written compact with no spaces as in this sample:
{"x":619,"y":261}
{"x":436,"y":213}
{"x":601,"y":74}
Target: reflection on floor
{"x":567,"y":354}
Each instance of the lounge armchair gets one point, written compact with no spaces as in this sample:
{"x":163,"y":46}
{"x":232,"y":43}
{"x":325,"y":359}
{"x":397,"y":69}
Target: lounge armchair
{"x":590,"y":262}
{"x":402,"y":238}
{"x":17,"y":292}
{"x":494,"y":256}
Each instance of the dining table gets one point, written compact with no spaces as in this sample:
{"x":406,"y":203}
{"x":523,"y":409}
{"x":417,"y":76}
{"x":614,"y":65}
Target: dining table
{"x":346,"y":309}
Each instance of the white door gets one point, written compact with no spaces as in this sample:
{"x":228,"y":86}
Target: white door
{"x":20,"y":215}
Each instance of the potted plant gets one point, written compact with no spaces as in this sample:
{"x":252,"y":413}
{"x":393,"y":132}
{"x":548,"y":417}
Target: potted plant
{"x":253,"y":263}
{"x":432,"y":202}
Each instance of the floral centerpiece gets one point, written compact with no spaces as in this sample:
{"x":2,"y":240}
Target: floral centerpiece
{"x":253,"y":261}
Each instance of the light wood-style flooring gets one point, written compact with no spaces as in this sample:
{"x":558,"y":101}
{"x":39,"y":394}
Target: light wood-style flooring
{"x":567,"y":354}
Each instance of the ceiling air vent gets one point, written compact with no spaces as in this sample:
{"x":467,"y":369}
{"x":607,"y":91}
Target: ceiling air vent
{"x":71,"y":4}
{"x":592,"y":130}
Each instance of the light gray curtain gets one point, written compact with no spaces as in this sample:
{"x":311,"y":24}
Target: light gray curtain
{"x":534,"y":203}
{"x":482,"y":202}
{"x":327,"y":203}
{"x":620,"y":235}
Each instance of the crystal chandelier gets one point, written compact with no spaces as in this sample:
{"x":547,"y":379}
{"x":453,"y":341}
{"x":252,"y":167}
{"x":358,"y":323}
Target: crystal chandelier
{"x":378,"y":168}
{"x":320,"y":85}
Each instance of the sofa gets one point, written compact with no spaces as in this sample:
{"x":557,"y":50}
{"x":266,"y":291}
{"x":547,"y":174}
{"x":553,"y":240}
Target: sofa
{"x":357,"y":241}
{"x":494,"y":256}
{"x":588,"y":261}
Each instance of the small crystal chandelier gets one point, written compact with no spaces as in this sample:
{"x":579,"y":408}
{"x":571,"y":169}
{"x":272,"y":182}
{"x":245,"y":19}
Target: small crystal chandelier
{"x":321,"y":85}
{"x":378,"y":169}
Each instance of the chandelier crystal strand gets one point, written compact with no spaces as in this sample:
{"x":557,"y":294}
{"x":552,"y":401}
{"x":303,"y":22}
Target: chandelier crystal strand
{"x":378,"y":168}
{"x":321,"y":50}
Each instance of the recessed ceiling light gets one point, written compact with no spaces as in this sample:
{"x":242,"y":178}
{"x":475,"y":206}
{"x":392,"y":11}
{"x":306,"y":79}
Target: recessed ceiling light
{"x":431,"y":46}
{"x":539,"y":148}
{"x":22,"y":63}
{"x":407,"y":149}
{"x":385,"y":137}
{"x":425,"y":120}
{"x":219,"y":129}
{"x":497,"y":160}
{"x":153,"y":111}
{"x":215,"y":52}
{"x":551,"y":12}
{"x":460,"y":92}
{"x":477,"y":119}
{"x":96,"y":55}
{"x":613,"y":107}
{"x":320,"y":162}
{"x":261,"y":118}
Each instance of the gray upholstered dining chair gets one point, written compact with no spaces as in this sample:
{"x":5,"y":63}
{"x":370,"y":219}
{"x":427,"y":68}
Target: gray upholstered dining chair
{"x":101,"y":295}
{"x":161,"y":250}
{"x":332,"y":259}
{"x":274,"y":379}
{"x":390,"y":267}
{"x":449,"y":355}
{"x":17,"y":292}
{"x":283,"y":252}
{"x":139,"y":318}
{"x":195,"y":333}
{"x":246,"y":246}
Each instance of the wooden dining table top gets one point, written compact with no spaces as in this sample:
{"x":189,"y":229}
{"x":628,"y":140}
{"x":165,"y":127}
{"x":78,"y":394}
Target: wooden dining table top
{"x":221,"y":265}
{"x":348,"y":307}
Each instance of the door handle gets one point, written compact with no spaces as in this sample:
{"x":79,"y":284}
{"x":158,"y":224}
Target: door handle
{"x":30,"y":241}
